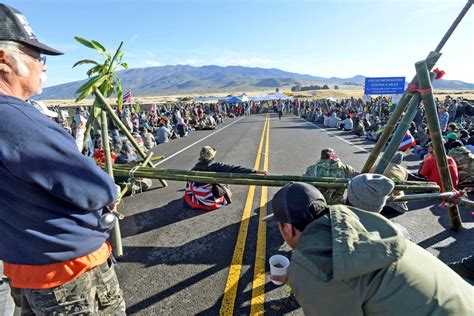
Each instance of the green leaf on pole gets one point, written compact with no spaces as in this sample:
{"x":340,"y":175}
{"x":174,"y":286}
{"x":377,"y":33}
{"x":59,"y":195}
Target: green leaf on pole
{"x":85,"y":61}
{"x":89,"y":86}
{"x":101,"y":49}
{"x":84,"y":42}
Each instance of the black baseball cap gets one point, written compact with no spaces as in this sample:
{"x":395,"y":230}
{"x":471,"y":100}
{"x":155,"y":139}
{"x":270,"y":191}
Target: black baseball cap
{"x":15,"y":27}
{"x":296,"y":203}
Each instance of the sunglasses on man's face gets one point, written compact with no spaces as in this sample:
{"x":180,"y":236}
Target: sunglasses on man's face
{"x":41,"y":59}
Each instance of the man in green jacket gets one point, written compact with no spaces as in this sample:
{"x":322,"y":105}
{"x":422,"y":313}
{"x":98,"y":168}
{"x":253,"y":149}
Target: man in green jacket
{"x":331,"y":166}
{"x":351,"y":262}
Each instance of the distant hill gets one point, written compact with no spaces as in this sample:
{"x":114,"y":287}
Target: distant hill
{"x":182,"y":79}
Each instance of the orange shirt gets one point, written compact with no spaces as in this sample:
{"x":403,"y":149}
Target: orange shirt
{"x":54,"y":274}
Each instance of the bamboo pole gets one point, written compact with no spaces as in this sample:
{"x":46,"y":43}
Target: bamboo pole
{"x":436,"y":139}
{"x":89,"y":122}
{"x":454,"y":25}
{"x":397,"y":137}
{"x":156,"y":158}
{"x":448,"y":196}
{"x":394,"y":117}
{"x":247,"y":179}
{"x":116,"y":235}
{"x":264,"y":177}
{"x":122,"y":127}
{"x":147,"y":160}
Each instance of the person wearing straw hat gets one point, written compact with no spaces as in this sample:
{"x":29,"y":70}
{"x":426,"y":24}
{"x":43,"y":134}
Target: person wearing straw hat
{"x":347,"y":261}
{"x":207,"y":196}
{"x":53,"y":248}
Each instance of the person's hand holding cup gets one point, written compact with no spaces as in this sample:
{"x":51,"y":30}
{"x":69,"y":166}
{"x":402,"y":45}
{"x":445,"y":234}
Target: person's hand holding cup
{"x":278,"y":269}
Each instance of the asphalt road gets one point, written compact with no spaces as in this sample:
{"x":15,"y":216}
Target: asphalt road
{"x":177,"y":260}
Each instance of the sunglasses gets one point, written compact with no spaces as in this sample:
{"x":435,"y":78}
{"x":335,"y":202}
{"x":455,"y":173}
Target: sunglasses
{"x":41,"y":59}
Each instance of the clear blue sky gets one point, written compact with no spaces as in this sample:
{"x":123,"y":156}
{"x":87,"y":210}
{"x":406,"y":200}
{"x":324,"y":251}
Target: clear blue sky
{"x":322,"y":38}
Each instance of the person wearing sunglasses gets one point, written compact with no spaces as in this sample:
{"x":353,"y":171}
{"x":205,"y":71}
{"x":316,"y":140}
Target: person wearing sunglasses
{"x":54,"y":248}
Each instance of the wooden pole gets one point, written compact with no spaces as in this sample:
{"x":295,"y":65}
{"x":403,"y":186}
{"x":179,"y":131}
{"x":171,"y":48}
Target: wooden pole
{"x":436,"y":139}
{"x":116,"y":239}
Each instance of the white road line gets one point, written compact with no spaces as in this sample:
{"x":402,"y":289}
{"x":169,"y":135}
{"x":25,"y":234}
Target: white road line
{"x":363,"y":149}
{"x":178,"y":152}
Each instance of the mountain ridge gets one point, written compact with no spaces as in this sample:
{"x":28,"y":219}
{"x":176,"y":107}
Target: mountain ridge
{"x":182,"y":79}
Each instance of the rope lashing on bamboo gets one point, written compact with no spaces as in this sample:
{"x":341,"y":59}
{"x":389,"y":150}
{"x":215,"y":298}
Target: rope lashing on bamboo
{"x":455,"y":198}
{"x":131,"y":173}
{"x":414,"y":88}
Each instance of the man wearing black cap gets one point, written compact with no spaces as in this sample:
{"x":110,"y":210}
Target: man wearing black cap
{"x":351,"y":262}
{"x":52,"y":198}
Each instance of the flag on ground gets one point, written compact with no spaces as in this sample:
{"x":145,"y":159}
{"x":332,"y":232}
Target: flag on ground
{"x":127,"y":98}
{"x":407,"y":142}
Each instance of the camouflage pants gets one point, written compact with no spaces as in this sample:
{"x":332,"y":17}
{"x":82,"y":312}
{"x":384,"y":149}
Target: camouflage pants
{"x":96,"y":292}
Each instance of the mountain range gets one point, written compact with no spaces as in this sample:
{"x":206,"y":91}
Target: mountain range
{"x":182,"y":79}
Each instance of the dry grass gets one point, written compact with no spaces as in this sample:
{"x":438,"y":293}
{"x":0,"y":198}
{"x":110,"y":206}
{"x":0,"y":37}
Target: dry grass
{"x":343,"y":93}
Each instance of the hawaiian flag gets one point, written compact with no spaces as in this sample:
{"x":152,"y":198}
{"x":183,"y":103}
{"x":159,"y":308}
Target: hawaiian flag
{"x":127,"y":98}
{"x":407,"y":142}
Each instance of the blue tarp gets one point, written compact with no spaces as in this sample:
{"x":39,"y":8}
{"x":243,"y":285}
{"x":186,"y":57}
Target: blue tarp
{"x":276,"y":96}
{"x":231,"y":100}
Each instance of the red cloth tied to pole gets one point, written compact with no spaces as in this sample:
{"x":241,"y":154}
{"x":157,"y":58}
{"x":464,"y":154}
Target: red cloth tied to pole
{"x":414,"y":88}
{"x":439,"y":73}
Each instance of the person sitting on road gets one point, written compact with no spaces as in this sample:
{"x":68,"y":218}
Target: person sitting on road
{"x":127,"y":154}
{"x":346,"y":124}
{"x":359,"y":128}
{"x":429,"y":168}
{"x":347,"y":261}
{"x":181,"y":127}
{"x":163,"y":134}
{"x":331,"y":166}
{"x":148,"y":139}
{"x":464,"y":162}
{"x":206,"y":196}
{"x":333,"y":120}
{"x":449,"y":139}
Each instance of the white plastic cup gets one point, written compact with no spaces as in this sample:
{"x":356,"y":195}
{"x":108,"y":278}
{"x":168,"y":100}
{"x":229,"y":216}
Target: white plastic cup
{"x":278,"y":260}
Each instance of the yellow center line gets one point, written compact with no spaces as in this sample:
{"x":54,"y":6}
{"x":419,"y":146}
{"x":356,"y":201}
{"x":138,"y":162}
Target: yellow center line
{"x":230,"y":292}
{"x":258,"y":284}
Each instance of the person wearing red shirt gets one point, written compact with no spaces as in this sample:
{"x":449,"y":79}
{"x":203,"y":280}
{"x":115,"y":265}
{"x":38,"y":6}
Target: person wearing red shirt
{"x":429,"y":169}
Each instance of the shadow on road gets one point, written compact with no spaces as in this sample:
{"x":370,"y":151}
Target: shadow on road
{"x":155,"y":218}
{"x":198,"y":252}
{"x":462,"y":239}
